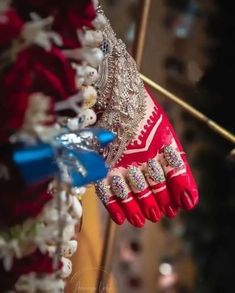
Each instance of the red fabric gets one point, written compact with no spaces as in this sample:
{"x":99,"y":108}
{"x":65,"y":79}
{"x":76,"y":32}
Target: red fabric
{"x":16,"y":207}
{"x":35,"y":70}
{"x":32,"y":69}
{"x":10,"y":27}
{"x":34,"y":263}
{"x":68,"y":21}
{"x":69,"y":16}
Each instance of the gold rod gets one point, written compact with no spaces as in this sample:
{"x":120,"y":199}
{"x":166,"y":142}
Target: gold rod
{"x":141,"y":32}
{"x":106,"y":257}
{"x":191,"y":110}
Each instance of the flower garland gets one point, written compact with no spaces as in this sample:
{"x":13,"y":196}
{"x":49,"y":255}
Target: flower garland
{"x":49,"y":54}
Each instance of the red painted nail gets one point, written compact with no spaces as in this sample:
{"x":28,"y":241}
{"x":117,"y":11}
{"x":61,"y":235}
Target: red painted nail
{"x":118,"y":218}
{"x":154,"y":215}
{"x":170,"y":212}
{"x":137,"y":220}
{"x":186,"y":201}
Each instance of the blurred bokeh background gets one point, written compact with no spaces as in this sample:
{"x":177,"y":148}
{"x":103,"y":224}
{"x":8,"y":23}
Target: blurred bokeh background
{"x":190,"y":50}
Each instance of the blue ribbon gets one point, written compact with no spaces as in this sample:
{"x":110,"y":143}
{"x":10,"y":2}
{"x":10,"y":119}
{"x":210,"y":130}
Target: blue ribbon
{"x":35,"y":163}
{"x":79,"y":156}
{"x":92,"y":166}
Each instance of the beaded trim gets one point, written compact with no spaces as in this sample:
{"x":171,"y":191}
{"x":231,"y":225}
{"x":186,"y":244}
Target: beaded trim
{"x":121,"y":95}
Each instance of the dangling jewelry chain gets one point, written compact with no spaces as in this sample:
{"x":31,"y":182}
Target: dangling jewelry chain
{"x":121,"y":95}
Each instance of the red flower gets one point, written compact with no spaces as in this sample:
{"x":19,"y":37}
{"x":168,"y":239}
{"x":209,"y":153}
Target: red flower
{"x":12,"y":113}
{"x":75,"y":17}
{"x":32,"y":69}
{"x":34,"y":263}
{"x":84,"y":9}
{"x":69,"y":16}
{"x":35,"y":70}
{"x":15,"y":207}
{"x":10,"y":27}
{"x":52,"y":73}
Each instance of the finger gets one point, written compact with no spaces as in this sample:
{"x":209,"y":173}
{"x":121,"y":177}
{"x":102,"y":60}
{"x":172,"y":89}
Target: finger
{"x":179,"y":178}
{"x":110,"y":202}
{"x":126,"y":198}
{"x":157,"y":181}
{"x":141,"y":190}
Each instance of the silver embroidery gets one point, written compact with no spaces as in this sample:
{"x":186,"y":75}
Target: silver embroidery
{"x":121,"y":95}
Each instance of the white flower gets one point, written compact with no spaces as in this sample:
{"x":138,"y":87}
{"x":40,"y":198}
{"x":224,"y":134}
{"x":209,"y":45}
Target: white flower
{"x":32,"y":283}
{"x":36,"y":120}
{"x":93,"y":56}
{"x":95,"y":3}
{"x":26,"y":283}
{"x":37,"y":111}
{"x":4,"y":4}
{"x":87,"y":118}
{"x":90,"y":96}
{"x":69,"y":230}
{"x":78,"y":191}
{"x":47,"y":133}
{"x":71,"y":103}
{"x":50,"y":285}
{"x":69,"y":248}
{"x":100,"y":21}
{"x":66,"y":267}
{"x":76,"y":208}
{"x":73,"y":124}
{"x":90,"y":38}
{"x":35,"y":32}
{"x":8,"y":250}
{"x":86,"y":75}
{"x":50,"y":249}
{"x":50,"y":215}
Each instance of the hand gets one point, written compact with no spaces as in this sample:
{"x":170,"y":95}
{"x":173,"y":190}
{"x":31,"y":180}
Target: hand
{"x":152,"y":178}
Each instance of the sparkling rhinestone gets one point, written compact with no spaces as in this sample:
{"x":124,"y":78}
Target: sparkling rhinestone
{"x":119,"y":187}
{"x":105,"y":47}
{"x":136,"y":178}
{"x":155,"y":171}
{"x":172,"y":157}
{"x":102,"y":191}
